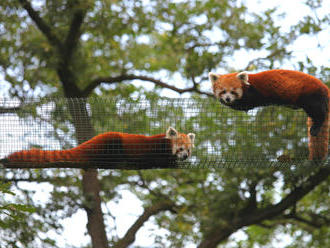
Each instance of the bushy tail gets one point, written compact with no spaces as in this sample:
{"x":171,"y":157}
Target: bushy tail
{"x":40,"y":156}
{"x":318,"y":145}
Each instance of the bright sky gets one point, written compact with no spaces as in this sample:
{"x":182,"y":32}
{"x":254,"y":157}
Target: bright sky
{"x":129,"y":207}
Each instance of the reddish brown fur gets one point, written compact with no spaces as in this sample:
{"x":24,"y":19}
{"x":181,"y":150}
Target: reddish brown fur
{"x":284,"y":87}
{"x":110,"y":147}
{"x":294,"y":85}
{"x":286,"y":84}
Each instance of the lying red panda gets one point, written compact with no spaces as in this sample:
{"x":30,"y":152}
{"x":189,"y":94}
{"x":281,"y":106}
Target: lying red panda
{"x":243,"y":91}
{"x":115,"y":148}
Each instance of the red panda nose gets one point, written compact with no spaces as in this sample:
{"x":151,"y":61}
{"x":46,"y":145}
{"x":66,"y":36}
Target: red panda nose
{"x":185,"y":156}
{"x":227,"y":99}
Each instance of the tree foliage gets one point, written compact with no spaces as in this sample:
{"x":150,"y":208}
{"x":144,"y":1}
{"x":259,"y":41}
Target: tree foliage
{"x":84,"y":49}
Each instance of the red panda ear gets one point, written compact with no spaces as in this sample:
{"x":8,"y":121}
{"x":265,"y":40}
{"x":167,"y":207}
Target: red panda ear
{"x":171,"y":133}
{"x":244,"y":77}
{"x":192,"y":138}
{"x":213,"y":77}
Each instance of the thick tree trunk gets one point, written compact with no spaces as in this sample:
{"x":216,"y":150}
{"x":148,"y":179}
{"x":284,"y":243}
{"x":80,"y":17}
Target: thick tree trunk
{"x":78,"y":111}
{"x":90,"y":183}
{"x":95,"y":225}
{"x":213,"y":239}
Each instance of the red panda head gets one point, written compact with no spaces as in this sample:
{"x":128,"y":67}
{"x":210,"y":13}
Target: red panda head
{"x":181,"y":143}
{"x":228,"y":87}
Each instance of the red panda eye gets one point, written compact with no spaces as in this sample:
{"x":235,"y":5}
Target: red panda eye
{"x":224,"y":92}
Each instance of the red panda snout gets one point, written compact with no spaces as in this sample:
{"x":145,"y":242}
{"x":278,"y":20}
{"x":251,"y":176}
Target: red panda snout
{"x":182,"y":144}
{"x":228,"y":95}
{"x":182,"y":153}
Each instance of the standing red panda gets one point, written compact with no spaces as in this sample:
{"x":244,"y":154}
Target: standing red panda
{"x":115,"y":148}
{"x":243,"y":91}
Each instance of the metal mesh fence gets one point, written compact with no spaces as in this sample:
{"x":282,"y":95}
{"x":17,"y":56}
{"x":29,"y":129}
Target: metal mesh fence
{"x":224,"y":137}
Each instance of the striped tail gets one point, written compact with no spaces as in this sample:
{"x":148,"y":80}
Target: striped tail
{"x":40,"y":156}
{"x":318,"y":145}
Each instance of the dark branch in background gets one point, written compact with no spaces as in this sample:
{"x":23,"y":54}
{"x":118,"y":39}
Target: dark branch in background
{"x":143,"y":184}
{"x":319,"y":217}
{"x":298,"y":193}
{"x":245,"y":218}
{"x":65,"y":66}
{"x":129,"y":237}
{"x":60,"y":181}
{"x":80,"y":119}
{"x":252,"y":201}
{"x":21,"y":107}
{"x":66,"y":48}
{"x":43,"y":27}
{"x":316,"y":221}
{"x":74,"y":33}
{"x":113,"y":80}
{"x":270,"y":57}
{"x":208,"y":45}
{"x":10,"y":110}
{"x":308,"y":221}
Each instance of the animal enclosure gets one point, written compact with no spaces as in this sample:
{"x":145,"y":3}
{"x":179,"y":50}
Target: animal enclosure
{"x":224,"y":137}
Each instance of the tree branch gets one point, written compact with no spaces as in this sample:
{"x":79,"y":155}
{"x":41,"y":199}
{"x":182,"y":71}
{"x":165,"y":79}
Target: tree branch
{"x":129,"y":237}
{"x":221,"y":232}
{"x":143,"y":184}
{"x":320,"y":218}
{"x":298,"y":193}
{"x":10,"y":110}
{"x":22,"y":105}
{"x":316,"y":221}
{"x":121,"y":78}
{"x":62,"y":181}
{"x":252,"y":201}
{"x":269,"y":57}
{"x":73,"y":36}
{"x":41,"y":24}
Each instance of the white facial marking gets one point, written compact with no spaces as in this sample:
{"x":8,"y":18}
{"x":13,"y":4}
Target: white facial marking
{"x":239,"y":92}
{"x":230,"y":95}
{"x":218,"y":93}
{"x":182,"y":153}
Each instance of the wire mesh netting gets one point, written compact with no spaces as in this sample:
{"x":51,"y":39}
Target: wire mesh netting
{"x":223,"y":137}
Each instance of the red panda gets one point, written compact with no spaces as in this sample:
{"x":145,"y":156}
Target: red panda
{"x":243,"y":91}
{"x":115,"y":148}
